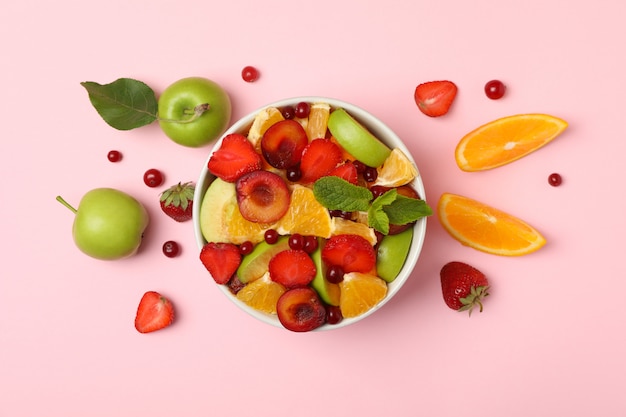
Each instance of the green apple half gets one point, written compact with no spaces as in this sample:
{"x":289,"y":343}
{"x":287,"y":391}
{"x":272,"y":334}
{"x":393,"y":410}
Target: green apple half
{"x":108,"y":224}
{"x":194,"y":111}
{"x":356,"y":139}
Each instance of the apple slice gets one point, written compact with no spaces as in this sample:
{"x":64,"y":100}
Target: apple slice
{"x":212,"y":211}
{"x":356,"y":139}
{"x":328,"y":292}
{"x":392,"y":252}
{"x":255,"y":264}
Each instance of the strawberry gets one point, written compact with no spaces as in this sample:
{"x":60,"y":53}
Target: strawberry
{"x":154,"y":313}
{"x":221,"y":260}
{"x":235,"y":157}
{"x":434,"y":98}
{"x":177,"y":201}
{"x":463,"y":286}
{"x":292,"y":268}
{"x":319,"y":157}
{"x":347,"y":171}
{"x":352,"y":253}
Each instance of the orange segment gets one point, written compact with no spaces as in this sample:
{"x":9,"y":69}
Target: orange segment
{"x":305,"y":215}
{"x":342,"y":226}
{"x":262,"y":294}
{"x":506,"y":140}
{"x":360,"y":292}
{"x":397,"y":170}
{"x":318,"y":121}
{"x":485,"y":228}
{"x":262,"y":121}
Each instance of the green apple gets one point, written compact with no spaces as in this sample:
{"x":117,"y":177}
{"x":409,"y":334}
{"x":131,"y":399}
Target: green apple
{"x":218,"y":196}
{"x":108,"y":223}
{"x":356,"y":139}
{"x":255,"y":264}
{"x":194,"y":111}
{"x":392,"y":252}
{"x":327,"y":291}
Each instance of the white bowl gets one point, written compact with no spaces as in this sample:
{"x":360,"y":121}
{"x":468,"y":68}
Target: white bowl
{"x":376,"y":127}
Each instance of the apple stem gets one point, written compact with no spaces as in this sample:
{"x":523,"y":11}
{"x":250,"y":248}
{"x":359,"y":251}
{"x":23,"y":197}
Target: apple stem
{"x":197,"y":111}
{"x":66,"y":204}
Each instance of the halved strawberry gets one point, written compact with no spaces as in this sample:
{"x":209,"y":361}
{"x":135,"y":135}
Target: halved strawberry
{"x":221,"y":259}
{"x":347,"y":171}
{"x":434,"y":98}
{"x":292,"y":268}
{"x":154,"y":313}
{"x":352,"y":253}
{"x":319,"y":158}
{"x":235,"y":157}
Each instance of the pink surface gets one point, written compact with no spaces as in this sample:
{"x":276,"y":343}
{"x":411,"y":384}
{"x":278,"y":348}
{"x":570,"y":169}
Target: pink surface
{"x":551,"y":340}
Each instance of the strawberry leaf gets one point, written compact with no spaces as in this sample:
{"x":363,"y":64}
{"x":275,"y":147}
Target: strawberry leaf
{"x":124,"y":104}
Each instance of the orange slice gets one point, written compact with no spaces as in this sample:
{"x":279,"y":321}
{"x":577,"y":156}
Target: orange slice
{"x":318,"y":121}
{"x":506,"y":140}
{"x":262,"y":121}
{"x":262,"y":294}
{"x":240,"y":230}
{"x":397,"y":170}
{"x":485,"y":228}
{"x":305,"y":215}
{"x":342,"y":226}
{"x":360,"y":292}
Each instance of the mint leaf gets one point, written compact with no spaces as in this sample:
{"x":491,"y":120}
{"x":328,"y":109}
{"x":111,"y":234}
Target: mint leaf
{"x":405,"y":210}
{"x":335,"y":193}
{"x":376,"y":216}
{"x":124,"y":104}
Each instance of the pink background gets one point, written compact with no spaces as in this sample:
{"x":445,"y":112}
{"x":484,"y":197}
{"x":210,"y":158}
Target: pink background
{"x":552,"y":338}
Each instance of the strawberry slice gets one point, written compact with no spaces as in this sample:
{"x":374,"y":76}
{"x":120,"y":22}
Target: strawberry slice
{"x":221,"y":259}
{"x":352,"y":253}
{"x":154,"y":313}
{"x":292,"y":268}
{"x":434,"y":98}
{"x":347,"y":171}
{"x":235,"y":157}
{"x":319,"y":158}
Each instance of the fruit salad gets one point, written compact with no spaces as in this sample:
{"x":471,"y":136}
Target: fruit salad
{"x":310,"y":217}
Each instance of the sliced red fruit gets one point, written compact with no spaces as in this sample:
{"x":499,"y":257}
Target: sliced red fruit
{"x":282,"y":144}
{"x":262,"y":196}
{"x":234,"y":158}
{"x":292,"y":268}
{"x":300,"y":310}
{"x":319,"y":158}
{"x":221,"y":259}
{"x":434,"y":98}
{"x":347,"y":171}
{"x":154,"y":313}
{"x":352,"y":253}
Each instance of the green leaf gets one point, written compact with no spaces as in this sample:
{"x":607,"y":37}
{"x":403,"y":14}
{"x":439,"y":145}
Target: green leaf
{"x":335,"y":193}
{"x":124,"y":104}
{"x":405,"y":210}
{"x":376,"y":216}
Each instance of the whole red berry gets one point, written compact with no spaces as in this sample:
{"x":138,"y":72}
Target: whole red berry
{"x":171,"y":249}
{"x":555,"y":180}
{"x":249,"y":74}
{"x":153,"y":178}
{"x":114,"y":156}
{"x":495,"y":89}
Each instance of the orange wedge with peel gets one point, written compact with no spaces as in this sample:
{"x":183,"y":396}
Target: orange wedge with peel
{"x":485,"y":228}
{"x":505,"y":140}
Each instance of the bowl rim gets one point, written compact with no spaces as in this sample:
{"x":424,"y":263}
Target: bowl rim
{"x":378,"y":129}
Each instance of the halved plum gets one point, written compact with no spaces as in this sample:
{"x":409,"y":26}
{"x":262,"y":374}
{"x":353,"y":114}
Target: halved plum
{"x":301,"y":310}
{"x":282,"y":144}
{"x":262,"y":196}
